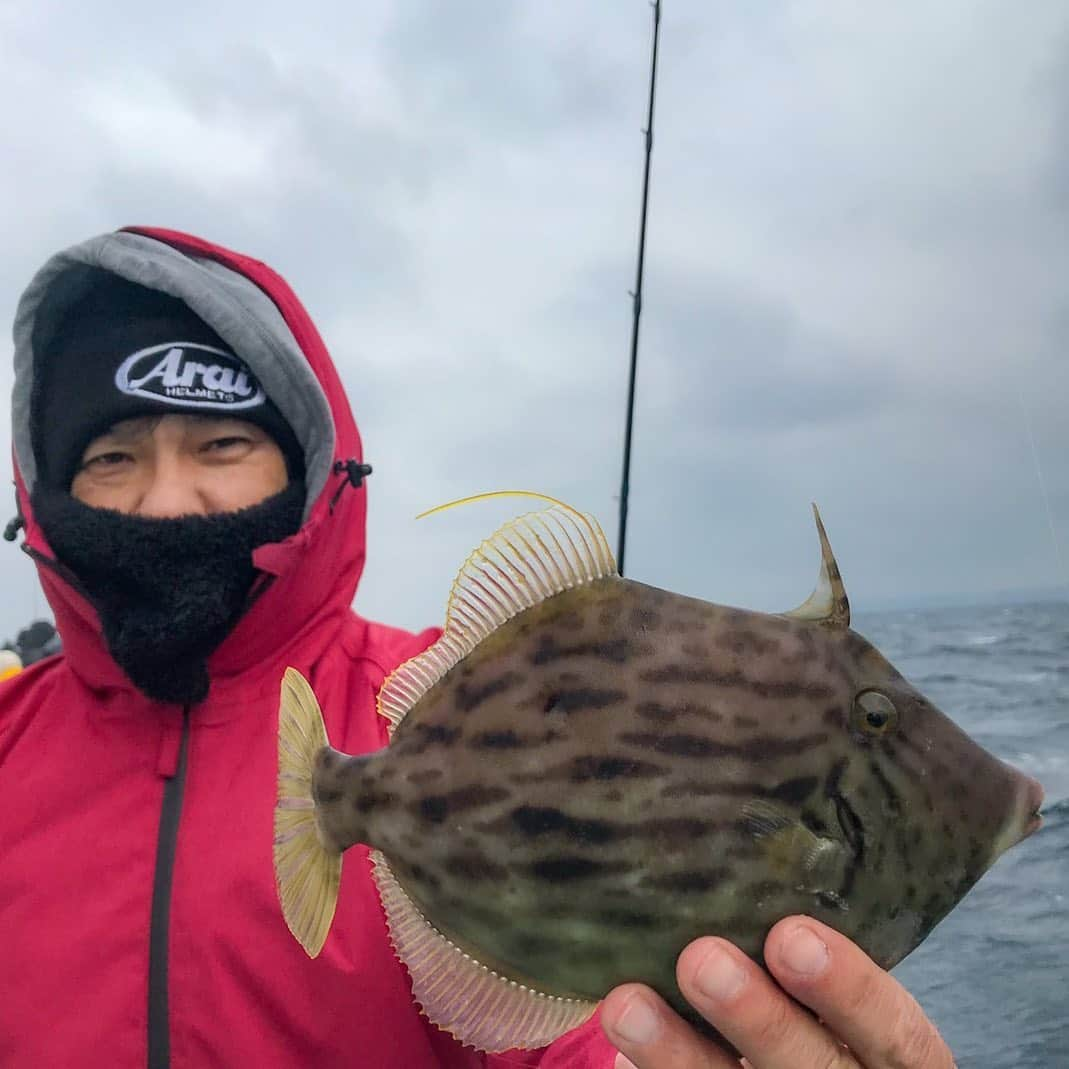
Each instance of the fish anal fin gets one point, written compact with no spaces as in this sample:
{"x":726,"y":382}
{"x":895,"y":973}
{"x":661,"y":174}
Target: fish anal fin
{"x":462,"y":996}
{"x":526,"y":561}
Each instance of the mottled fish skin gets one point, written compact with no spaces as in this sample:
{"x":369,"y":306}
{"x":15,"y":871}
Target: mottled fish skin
{"x":589,"y":789}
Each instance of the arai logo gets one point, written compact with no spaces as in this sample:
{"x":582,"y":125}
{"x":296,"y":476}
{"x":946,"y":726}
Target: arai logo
{"x":189,"y":374}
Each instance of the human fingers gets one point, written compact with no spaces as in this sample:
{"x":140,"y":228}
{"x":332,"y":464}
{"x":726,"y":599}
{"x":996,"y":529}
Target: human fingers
{"x":865,"y":1006}
{"x":651,"y":1035}
{"x":749,"y":1009}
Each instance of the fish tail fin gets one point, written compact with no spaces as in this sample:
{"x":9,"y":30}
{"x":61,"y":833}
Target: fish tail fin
{"x":307,"y":870}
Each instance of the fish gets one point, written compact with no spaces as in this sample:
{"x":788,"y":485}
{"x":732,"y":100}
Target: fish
{"x":585,"y":773}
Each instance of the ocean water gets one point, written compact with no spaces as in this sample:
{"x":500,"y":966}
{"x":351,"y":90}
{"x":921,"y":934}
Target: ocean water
{"x":994,"y":975}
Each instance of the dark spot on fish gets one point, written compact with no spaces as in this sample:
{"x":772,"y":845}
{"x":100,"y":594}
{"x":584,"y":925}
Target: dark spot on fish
{"x":617,"y":651}
{"x":833,"y":716}
{"x":614,"y":796}
{"x":498,"y":740}
{"x":326,"y":795}
{"x":469,"y":907}
{"x":892,"y":802}
{"x":744,"y":641}
{"x":689,"y":881}
{"x":568,"y":621}
{"x":535,"y":821}
{"x":372,"y":800}
{"x":757,"y":748}
{"x":580,"y":699}
{"x":472,"y":797}
{"x":441,"y":734}
{"x":591,"y":767}
{"x":738,"y":852}
{"x":569,"y":869}
{"x":673,"y":745}
{"x":468,"y":697}
{"x":434,"y":808}
{"x":849,"y":822}
{"x":703,"y":674}
{"x":762,"y":889}
{"x":420,"y":776}
{"x":552,"y":736}
{"x":525,"y":945}
{"x":851,"y":826}
{"x":746,"y":722}
{"x":629,"y":918}
{"x":643,"y":620}
{"x":475,"y":866}
{"x":672,"y":831}
{"x":420,"y":875}
{"x":795,"y":791}
{"x":660,"y":714}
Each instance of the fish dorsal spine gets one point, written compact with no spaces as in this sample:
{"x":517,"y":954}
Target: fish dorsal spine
{"x":828,"y":605}
{"x":526,"y":561}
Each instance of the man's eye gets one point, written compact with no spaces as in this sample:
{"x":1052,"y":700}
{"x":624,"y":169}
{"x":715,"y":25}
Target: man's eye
{"x":229,"y":442}
{"x":106,"y":460}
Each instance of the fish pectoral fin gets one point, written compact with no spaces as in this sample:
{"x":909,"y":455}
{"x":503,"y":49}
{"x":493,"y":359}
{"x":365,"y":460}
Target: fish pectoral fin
{"x":792,"y":849}
{"x":306,"y":872}
{"x":461,"y":995}
{"x":525,"y":562}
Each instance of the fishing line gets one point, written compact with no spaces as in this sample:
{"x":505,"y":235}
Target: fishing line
{"x":1063,"y":574}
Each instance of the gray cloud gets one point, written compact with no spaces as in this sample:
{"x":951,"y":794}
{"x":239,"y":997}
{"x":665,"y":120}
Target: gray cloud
{"x":854,"y":281}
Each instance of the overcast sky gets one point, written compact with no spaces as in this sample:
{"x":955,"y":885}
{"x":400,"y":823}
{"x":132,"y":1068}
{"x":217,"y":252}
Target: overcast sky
{"x":856,"y":268}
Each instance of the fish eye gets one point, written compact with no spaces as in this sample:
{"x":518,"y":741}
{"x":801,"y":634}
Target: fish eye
{"x":874,"y":714}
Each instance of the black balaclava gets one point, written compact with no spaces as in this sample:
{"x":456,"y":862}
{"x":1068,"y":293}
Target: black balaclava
{"x":168,"y":591}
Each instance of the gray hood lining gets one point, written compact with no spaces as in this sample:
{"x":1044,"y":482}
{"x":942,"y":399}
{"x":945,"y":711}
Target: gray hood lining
{"x":231,"y":304}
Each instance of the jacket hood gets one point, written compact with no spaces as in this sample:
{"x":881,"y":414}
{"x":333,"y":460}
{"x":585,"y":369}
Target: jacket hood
{"x":312,"y":576}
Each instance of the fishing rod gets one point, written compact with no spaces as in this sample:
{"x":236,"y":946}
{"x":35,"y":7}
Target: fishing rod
{"x":636,"y":294}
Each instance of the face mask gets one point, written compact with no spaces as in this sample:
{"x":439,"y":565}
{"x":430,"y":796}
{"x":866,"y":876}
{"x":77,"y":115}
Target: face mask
{"x":168,"y":591}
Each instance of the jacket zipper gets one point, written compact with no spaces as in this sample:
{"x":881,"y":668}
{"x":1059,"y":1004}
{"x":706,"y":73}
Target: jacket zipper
{"x":159,"y":1026}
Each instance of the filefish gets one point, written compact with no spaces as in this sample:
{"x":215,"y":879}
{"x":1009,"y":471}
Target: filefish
{"x":585,"y":773}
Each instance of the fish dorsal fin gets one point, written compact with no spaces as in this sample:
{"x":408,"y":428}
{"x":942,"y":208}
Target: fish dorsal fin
{"x":528,"y":560}
{"x":828,"y":604}
{"x":462,"y":996}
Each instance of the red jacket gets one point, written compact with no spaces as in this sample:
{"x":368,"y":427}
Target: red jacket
{"x":126,"y":823}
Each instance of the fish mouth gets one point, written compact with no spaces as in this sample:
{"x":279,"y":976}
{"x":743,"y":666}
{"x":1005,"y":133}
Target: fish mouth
{"x":1033,"y":804}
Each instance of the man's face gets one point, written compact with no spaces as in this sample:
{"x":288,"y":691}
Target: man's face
{"x":180,"y":465}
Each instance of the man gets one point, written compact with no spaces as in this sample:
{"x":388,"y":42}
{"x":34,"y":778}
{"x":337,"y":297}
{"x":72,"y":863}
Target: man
{"x":190,"y":480}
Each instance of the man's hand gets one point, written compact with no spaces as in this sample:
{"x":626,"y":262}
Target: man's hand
{"x":867,"y":1019}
